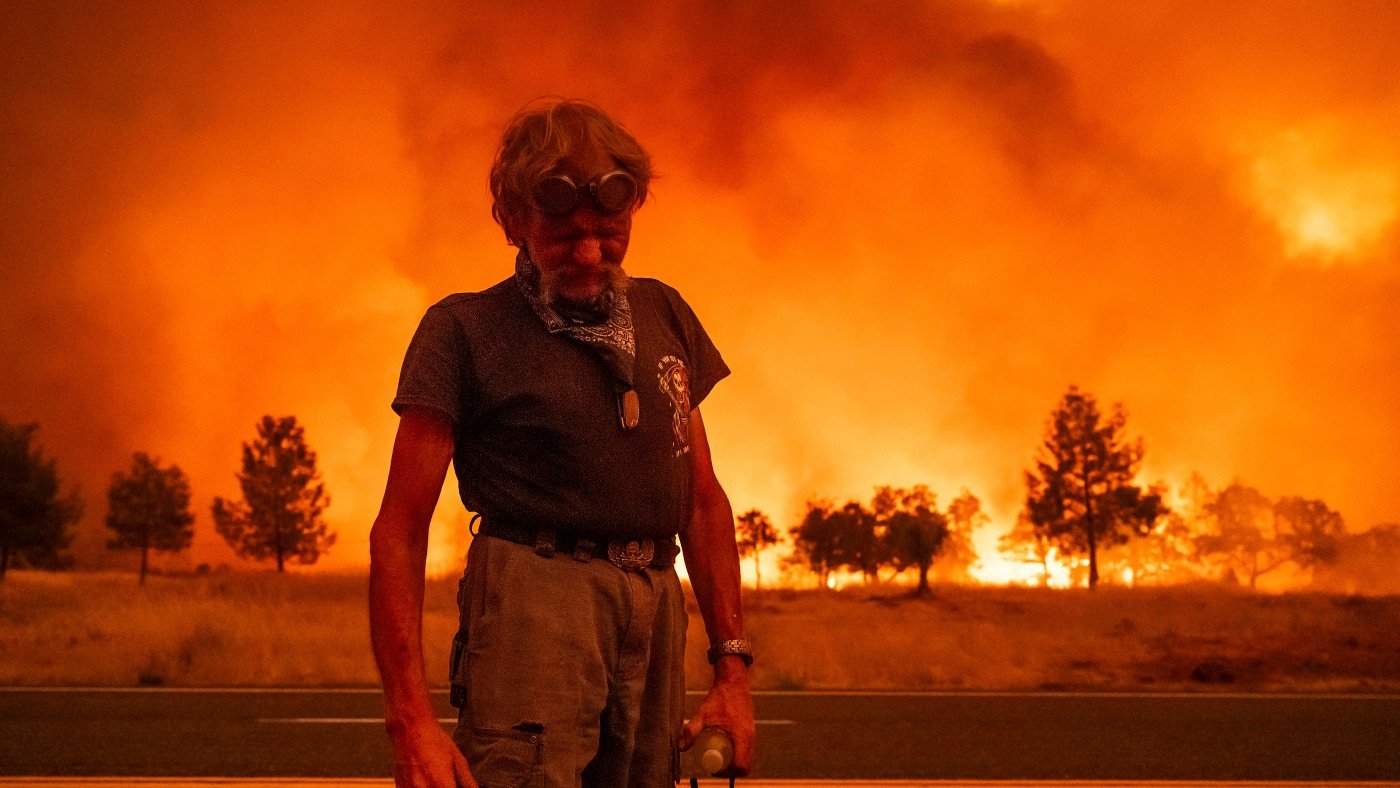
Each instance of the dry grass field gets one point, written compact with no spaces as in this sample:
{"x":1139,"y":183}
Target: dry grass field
{"x":259,"y":629}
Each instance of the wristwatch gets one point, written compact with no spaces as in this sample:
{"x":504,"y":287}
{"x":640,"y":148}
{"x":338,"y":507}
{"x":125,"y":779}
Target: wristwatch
{"x":739,"y":646}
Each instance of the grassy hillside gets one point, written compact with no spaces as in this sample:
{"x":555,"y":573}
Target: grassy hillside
{"x":261,"y":629}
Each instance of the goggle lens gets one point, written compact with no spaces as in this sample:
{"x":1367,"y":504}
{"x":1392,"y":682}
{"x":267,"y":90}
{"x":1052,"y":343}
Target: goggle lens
{"x":614,"y":191}
{"x":556,"y":194}
{"x":611,"y":192}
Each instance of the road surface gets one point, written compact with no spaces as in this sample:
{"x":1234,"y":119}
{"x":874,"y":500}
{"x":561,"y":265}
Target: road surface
{"x":810,"y":735}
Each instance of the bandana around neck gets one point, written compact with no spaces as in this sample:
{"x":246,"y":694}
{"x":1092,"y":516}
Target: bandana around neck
{"x":605,"y":327}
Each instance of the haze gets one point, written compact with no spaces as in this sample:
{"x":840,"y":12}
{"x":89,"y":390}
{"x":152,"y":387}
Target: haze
{"x":907,"y":226}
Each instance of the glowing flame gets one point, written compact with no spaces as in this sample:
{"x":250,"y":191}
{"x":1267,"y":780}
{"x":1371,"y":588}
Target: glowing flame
{"x":903,"y":258}
{"x":1327,"y":199}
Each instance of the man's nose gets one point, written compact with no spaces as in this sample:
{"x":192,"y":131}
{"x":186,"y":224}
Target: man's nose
{"x":588,"y":252}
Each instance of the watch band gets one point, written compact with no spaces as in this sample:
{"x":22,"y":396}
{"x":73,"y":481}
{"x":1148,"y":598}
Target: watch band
{"x":740,"y":647}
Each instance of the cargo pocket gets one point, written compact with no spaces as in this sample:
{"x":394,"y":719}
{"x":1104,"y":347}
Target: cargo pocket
{"x":457,"y":672}
{"x":503,"y":757}
{"x":469,"y":606}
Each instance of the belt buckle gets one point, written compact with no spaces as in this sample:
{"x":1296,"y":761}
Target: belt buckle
{"x":632,"y":553}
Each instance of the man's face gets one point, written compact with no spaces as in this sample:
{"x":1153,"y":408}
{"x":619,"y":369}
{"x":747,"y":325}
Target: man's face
{"x":579,"y":254}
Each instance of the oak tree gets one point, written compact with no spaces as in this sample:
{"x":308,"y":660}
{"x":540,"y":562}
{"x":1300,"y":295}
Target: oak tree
{"x":916,"y":533}
{"x":814,"y":541}
{"x":755,"y":533}
{"x":149,"y":509}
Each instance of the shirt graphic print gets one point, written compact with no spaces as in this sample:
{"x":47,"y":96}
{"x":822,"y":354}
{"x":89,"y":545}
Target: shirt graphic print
{"x":674,"y":380}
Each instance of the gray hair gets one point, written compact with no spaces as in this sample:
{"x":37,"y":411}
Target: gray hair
{"x":541,"y":134}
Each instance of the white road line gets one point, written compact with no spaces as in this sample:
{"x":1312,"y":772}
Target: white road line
{"x":380,"y":720}
{"x":1074,"y":694}
{"x":780,"y":693}
{"x":310,"y":782}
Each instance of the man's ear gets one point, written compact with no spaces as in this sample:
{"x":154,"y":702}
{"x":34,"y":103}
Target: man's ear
{"x":514,"y":223}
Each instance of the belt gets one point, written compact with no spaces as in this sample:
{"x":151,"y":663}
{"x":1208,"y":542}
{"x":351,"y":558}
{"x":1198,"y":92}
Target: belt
{"x":626,"y":552}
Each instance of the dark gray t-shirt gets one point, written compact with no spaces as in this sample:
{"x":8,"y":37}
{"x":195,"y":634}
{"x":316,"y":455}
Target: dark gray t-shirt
{"x":535,"y":414}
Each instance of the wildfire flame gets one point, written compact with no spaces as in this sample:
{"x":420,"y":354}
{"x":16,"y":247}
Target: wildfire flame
{"x":907,"y":226}
{"x":1326,"y":198}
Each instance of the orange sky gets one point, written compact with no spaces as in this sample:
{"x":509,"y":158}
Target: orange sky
{"x":908,"y":226}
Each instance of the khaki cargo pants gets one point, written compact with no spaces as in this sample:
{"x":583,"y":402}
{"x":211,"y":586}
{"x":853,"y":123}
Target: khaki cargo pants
{"x":572,"y":671}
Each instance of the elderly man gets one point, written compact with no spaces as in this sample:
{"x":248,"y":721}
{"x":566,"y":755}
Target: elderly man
{"x":567,"y":397}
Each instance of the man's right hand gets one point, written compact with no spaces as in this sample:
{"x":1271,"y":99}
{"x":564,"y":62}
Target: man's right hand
{"x":424,"y":754}
{"x":426,"y":757}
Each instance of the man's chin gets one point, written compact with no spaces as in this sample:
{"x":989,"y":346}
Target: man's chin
{"x":584,"y":295}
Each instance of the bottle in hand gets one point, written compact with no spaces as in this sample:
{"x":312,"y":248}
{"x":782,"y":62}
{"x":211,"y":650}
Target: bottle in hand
{"x":711,"y":752}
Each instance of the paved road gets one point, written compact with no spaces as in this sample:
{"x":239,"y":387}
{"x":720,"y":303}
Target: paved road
{"x":947,"y":736}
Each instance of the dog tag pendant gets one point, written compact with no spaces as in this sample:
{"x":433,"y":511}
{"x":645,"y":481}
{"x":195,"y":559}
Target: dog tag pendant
{"x":629,"y":411}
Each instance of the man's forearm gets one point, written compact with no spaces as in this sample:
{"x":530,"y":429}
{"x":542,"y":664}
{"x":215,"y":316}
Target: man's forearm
{"x":396,"y":625}
{"x":712,"y":561}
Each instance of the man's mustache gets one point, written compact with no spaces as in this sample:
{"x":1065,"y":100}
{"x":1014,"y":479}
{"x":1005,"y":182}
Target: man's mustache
{"x":616,"y":281}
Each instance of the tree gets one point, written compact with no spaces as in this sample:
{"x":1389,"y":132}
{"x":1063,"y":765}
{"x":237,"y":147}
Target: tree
{"x":859,"y":547}
{"x":755,"y":533}
{"x":149,"y":508}
{"x":1308,"y":530}
{"x":814,"y":541}
{"x":283,"y":498}
{"x":1242,"y":536}
{"x":34,"y":517}
{"x":915,"y":531}
{"x":958,"y":555}
{"x":1080,"y":494}
{"x":1138,"y":513}
{"x":1252,"y":536}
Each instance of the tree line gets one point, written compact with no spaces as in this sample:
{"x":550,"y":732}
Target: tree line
{"x":278,"y":517}
{"x":1084,"y":508}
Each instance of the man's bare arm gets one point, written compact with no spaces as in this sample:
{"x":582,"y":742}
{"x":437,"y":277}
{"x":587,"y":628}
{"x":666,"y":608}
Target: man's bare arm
{"x":711,"y":552}
{"x":712,"y":560}
{"x":424,"y":753}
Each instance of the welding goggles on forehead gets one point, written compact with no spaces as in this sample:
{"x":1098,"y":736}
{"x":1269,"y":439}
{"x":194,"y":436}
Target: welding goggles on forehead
{"x":559,"y":195}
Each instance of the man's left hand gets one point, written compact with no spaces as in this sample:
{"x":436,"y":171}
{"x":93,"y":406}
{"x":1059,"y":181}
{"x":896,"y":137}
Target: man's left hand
{"x":728,"y":706}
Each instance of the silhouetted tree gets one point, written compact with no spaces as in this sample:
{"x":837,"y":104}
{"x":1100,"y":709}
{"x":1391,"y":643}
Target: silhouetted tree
{"x":34,"y":517}
{"x":915,"y":531}
{"x":1242,"y":536}
{"x":814,"y":540}
{"x":1308,"y":529}
{"x":283,"y":498}
{"x":1080,"y":493}
{"x":1142,"y":516}
{"x":755,"y":533}
{"x":149,"y":509}
{"x":1253,"y":536}
{"x":859,"y":547}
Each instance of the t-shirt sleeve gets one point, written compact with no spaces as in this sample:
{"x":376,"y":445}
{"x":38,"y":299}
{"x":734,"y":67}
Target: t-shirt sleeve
{"x":707,"y":367}
{"x":435,"y":367}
